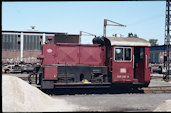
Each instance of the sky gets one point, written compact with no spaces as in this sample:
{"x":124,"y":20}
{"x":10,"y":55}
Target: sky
{"x":144,"y":18}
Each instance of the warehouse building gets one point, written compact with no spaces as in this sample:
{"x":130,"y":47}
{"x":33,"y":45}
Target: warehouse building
{"x":157,"y":54}
{"x":25,"y":46}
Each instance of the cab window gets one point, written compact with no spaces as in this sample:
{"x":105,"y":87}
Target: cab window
{"x":127,"y":54}
{"x":118,"y":53}
{"x":123,"y":54}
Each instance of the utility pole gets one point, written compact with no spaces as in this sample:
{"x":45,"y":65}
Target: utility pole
{"x":167,"y":39}
{"x":115,"y":24}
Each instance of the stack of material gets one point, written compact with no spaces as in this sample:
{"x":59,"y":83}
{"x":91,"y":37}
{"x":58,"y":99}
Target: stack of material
{"x":164,"y":107}
{"x":19,"y":96}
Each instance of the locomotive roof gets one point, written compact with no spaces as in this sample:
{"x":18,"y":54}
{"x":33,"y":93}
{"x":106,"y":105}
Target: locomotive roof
{"x":127,"y":41}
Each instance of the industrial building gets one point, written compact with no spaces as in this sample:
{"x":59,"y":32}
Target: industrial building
{"x":158,"y":54}
{"x":25,"y":46}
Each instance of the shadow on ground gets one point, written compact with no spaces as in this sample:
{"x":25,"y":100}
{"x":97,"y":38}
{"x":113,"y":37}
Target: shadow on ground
{"x":73,"y":91}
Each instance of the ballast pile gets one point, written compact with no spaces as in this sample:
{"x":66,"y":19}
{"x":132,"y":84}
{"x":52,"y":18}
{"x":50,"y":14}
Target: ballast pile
{"x":19,"y":96}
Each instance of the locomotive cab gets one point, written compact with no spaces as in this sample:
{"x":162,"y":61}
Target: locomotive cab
{"x":129,"y":61}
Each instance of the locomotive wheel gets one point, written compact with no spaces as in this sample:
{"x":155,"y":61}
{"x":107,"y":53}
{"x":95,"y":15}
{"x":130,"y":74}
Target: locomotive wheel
{"x":35,"y":78}
{"x":32,"y":78}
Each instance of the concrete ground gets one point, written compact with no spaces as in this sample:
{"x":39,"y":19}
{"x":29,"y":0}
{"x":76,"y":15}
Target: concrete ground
{"x":116,"y":102}
{"x":159,"y":82}
{"x":136,"y":102}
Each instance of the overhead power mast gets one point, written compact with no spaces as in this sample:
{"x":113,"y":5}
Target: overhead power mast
{"x":167,"y":38}
{"x":86,"y":34}
{"x":115,"y":24}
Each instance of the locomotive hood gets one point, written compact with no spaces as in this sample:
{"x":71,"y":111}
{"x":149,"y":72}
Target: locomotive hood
{"x":127,"y":41}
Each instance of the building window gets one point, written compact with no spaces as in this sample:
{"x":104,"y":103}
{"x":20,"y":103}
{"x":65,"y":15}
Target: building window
{"x":9,"y":42}
{"x":32,"y":42}
{"x":151,"y":57}
{"x":156,"y":57}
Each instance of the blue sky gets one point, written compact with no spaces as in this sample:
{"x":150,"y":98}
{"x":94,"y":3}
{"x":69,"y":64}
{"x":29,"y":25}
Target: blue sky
{"x":144,"y":18}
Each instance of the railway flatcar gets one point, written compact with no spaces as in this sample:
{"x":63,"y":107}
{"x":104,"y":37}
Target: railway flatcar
{"x":108,"y":62}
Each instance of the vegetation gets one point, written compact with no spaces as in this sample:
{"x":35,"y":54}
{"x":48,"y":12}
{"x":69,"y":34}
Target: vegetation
{"x":153,"y":42}
{"x":131,"y":35}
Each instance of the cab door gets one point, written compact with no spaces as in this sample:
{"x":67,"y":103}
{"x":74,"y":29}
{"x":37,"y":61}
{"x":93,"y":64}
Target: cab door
{"x":139,"y":63}
{"x":122,"y":66}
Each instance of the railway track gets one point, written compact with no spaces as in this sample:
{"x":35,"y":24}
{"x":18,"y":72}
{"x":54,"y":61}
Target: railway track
{"x":157,"y":89}
{"x":151,"y":89}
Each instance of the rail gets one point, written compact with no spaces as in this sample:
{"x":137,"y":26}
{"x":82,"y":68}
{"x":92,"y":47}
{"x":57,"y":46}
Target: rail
{"x":157,"y":89}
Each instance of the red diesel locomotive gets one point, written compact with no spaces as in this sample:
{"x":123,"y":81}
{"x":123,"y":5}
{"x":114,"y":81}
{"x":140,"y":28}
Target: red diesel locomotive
{"x":111,"y":61}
